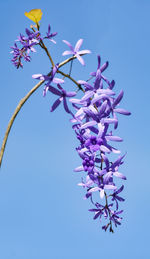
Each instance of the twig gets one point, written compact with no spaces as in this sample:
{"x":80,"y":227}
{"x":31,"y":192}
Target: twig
{"x":70,"y":67}
{"x":71,"y":78}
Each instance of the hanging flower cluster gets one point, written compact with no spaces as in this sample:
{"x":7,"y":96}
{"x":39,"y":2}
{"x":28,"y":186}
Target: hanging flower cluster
{"x":94,"y":119}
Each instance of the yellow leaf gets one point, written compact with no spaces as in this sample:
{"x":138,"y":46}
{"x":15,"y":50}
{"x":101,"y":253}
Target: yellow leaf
{"x":34,"y":15}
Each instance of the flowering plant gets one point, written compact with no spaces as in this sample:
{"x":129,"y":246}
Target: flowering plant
{"x":94,"y":117}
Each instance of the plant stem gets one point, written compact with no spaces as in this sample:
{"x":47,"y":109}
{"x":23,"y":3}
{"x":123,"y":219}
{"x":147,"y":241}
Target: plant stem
{"x":42,"y":45}
{"x":71,"y":78}
{"x":47,"y":52}
{"x":18,"y":108}
{"x":68,"y":60}
{"x":23,"y":100}
{"x":106,"y":199}
{"x":70,"y":67}
{"x":110,"y":222}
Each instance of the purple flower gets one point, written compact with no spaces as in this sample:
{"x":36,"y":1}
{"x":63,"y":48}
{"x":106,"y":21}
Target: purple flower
{"x":61,"y":92}
{"x":87,"y":184}
{"x":75,"y":51}
{"x":32,"y":37}
{"x":27,"y":43}
{"x":101,"y":188}
{"x":116,"y":197}
{"x":95,"y":113}
{"x":105,"y":227}
{"x":98,"y":212}
{"x":94,"y":144}
{"x":50,"y":35}
{"x":115,"y":218}
{"x":88,"y":163}
{"x":49,"y":79}
{"x":62,"y":97}
{"x":98,"y":74}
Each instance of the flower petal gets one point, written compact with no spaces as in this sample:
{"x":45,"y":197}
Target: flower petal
{"x":81,"y":60}
{"x":94,"y":189}
{"x":66,"y":106}
{"x":118,"y":99}
{"x":110,"y":187}
{"x":120,"y":175}
{"x":104,"y":149}
{"x":88,"y":124}
{"x":54,"y":90}
{"x":102,"y":193}
{"x":122,"y":111}
{"x":103,"y":67}
{"x":79,"y":169}
{"x":87,"y":95}
{"x":67,"y":52}
{"x":73,"y":100}
{"x":70,"y":94}
{"x":85,"y":51}
{"x":38,"y":76}
{"x":114,"y":138}
{"x":69,"y":45}
{"x":55,"y":104}
{"x":57,"y":80}
{"x":78,"y":45}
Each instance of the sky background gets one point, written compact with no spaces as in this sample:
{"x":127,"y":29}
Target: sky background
{"x":42,"y":211}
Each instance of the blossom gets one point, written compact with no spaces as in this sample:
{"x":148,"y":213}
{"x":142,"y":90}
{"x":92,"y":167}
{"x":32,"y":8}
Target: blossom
{"x":27,"y":43}
{"x":59,"y":92}
{"x":115,"y":218}
{"x":88,"y":163}
{"x":98,"y":212}
{"x":62,"y":97}
{"x":94,"y":143}
{"x":95,"y":119}
{"x":50,"y":35}
{"x":116,"y":197}
{"x":87,"y":184}
{"x":75,"y":51}
{"x":49,"y":79}
{"x":95,"y":113}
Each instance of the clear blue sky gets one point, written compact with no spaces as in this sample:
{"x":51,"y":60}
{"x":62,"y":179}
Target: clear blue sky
{"x":42,"y":211}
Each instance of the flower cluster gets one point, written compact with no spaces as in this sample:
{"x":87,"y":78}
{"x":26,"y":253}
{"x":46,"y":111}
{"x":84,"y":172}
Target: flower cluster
{"x":26,"y":45}
{"x":94,"y":119}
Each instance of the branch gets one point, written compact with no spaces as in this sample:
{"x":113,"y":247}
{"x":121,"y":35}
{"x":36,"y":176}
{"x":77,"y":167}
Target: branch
{"x":47,"y":52}
{"x":21,"y":103}
{"x":18,"y":108}
{"x":68,"y":60}
{"x":71,"y":78}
